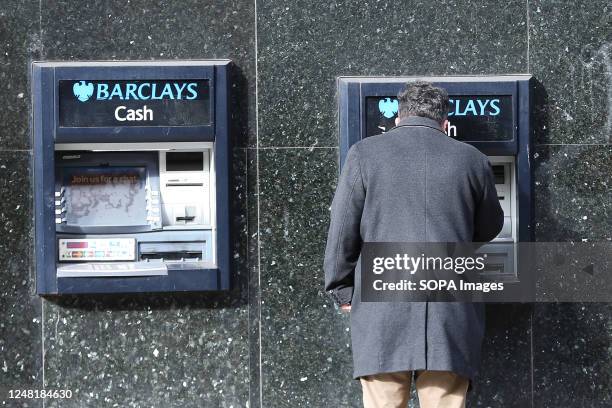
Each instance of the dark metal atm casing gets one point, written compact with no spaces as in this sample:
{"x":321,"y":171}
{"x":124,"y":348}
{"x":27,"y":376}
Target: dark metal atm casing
{"x":47,"y":132}
{"x":354,"y":91}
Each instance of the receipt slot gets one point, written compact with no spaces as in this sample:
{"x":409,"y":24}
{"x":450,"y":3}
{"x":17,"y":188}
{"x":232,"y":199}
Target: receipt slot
{"x":131,"y":176}
{"x":491,"y":113}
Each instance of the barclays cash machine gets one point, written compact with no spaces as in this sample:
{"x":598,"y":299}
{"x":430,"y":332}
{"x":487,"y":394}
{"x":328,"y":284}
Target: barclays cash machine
{"x":131,"y":176}
{"x":492,"y":113}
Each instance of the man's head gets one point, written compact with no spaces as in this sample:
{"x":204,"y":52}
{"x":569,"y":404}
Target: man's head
{"x":423,"y":99}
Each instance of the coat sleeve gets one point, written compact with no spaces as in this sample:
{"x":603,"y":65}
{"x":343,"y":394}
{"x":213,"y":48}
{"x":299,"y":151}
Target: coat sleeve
{"x":489,"y":216}
{"x":344,"y":238}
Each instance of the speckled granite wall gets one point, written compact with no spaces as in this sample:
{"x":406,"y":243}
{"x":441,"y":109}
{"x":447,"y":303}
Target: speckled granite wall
{"x":570,"y":54}
{"x":124,"y":351}
{"x":276,"y":340}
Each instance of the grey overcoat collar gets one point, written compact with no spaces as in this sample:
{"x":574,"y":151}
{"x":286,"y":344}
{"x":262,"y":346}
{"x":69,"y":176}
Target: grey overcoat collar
{"x":419,"y":121}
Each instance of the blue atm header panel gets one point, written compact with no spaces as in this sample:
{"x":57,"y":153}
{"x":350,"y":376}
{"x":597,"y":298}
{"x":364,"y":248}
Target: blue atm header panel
{"x":491,"y":113}
{"x":131,"y":176}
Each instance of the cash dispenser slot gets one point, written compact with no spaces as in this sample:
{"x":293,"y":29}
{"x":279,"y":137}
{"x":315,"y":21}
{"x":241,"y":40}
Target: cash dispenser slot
{"x":178,"y":184}
{"x":172,"y":251}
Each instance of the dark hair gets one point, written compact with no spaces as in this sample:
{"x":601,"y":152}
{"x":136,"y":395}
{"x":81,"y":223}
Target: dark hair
{"x":421,"y":98}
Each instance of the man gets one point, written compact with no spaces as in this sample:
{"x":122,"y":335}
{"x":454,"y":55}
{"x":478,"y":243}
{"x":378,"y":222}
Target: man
{"x":411,"y":184}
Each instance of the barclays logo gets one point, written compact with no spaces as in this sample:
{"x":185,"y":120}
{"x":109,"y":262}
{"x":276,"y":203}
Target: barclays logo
{"x":458,"y":107}
{"x":82,"y":90}
{"x":388,"y":107}
{"x":137,"y":91}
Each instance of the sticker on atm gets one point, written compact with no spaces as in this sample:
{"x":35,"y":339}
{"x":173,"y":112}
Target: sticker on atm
{"x":96,"y":249}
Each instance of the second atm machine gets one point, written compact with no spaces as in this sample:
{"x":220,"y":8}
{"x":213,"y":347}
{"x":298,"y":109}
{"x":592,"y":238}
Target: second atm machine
{"x":491,"y":113}
{"x":131,"y":174}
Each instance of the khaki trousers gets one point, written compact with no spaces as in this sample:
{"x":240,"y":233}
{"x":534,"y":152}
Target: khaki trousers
{"x":436,"y":389}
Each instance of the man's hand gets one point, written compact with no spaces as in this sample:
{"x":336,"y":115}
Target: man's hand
{"x":345,"y":308}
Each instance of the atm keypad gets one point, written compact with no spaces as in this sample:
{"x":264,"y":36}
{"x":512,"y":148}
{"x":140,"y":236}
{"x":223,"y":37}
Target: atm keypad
{"x":153,"y":209}
{"x":60,"y":206}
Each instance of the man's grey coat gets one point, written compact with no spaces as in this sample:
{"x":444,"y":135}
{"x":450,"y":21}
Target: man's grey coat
{"x":411,"y":184}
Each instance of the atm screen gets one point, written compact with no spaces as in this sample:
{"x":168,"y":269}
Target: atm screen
{"x":500,"y":174}
{"x":471,"y":118}
{"x":105,"y":196}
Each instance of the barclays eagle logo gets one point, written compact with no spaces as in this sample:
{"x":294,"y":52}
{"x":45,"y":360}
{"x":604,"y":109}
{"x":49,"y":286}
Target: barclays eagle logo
{"x":388,"y":107}
{"x":82,"y":90}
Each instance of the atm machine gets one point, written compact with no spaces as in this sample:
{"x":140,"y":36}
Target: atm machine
{"x":131,"y":176}
{"x":491,"y":113}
